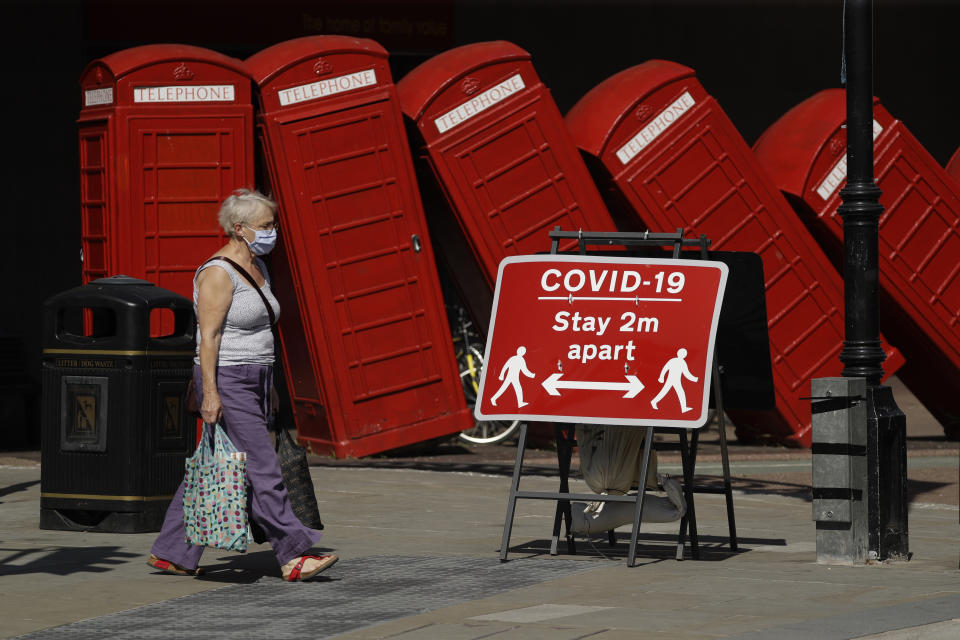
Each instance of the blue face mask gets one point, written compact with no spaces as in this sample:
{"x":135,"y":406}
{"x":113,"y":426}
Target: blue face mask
{"x":263,"y":241}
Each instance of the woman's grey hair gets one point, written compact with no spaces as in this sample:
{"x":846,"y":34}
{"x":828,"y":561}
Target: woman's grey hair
{"x":243,"y":206}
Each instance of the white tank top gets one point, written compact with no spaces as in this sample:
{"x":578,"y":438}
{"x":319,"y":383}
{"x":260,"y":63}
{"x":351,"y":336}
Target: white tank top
{"x":246,"y":334}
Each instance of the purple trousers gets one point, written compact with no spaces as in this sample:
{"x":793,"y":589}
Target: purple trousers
{"x":245,"y":394}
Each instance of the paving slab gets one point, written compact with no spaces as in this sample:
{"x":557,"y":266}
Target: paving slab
{"x":948,"y":630}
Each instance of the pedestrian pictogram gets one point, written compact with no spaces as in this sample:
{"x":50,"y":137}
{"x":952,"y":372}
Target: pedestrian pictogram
{"x":510,"y":374}
{"x":602,"y":340}
{"x":675,"y":370}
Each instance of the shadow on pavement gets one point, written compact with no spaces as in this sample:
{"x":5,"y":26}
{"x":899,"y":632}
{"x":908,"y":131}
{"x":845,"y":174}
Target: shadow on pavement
{"x":62,"y":561}
{"x":249,"y":567}
{"x":759,"y":485}
{"x":917,"y":487}
{"x":651,"y":547}
{"x":488,"y":468}
{"x":14,"y":488}
{"x":939,"y":442}
{"x":754,"y":486}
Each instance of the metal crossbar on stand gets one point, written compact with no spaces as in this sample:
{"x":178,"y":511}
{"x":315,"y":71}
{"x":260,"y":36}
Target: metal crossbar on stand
{"x":688,"y":448}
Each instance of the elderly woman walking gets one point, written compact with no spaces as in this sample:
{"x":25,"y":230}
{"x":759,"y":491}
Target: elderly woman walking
{"x":233,"y":377}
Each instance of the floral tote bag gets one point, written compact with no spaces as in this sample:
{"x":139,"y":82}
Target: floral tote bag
{"x":215,"y":494}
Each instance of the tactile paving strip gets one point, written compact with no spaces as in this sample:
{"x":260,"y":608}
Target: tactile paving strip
{"x":354,"y":593}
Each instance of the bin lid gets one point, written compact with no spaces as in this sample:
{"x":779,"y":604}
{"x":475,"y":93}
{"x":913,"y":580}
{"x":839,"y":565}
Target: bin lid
{"x":126,"y":61}
{"x":267,"y":64}
{"x":121,"y":290}
{"x":123,"y":280}
{"x":125,"y":305}
{"x":599,"y":112}
{"x":418,"y":88}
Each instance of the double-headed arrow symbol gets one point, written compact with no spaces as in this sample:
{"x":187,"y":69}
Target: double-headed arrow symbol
{"x":632,"y":386}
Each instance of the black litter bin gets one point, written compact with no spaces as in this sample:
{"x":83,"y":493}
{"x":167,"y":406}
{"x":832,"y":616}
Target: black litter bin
{"x":114,"y":428}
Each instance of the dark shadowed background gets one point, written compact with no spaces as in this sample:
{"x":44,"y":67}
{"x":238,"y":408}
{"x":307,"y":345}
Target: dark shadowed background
{"x":758,"y":59}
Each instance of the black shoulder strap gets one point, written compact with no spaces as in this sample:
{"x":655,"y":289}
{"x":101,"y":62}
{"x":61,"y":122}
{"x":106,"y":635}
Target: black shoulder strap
{"x":253,"y":283}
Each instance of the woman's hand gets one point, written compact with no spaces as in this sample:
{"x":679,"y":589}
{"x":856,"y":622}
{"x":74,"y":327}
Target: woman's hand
{"x":211,"y":410}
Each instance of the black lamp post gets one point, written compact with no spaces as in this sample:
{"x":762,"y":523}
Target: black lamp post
{"x":862,"y":354}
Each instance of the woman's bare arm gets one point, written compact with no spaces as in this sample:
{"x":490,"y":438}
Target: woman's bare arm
{"x":214,"y":296}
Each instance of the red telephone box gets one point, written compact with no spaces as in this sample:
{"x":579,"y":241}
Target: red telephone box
{"x":498,"y":150}
{"x":676,"y":160}
{"x":953,"y":167}
{"x":166,"y":133}
{"x":369,"y":357}
{"x":805,"y":154}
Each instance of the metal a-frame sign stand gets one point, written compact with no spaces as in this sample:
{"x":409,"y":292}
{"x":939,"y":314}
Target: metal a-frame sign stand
{"x":688,"y":450}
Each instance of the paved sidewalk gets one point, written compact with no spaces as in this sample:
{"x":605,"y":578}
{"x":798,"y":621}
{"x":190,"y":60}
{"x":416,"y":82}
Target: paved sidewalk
{"x":419,"y":553}
{"x":419,"y":534}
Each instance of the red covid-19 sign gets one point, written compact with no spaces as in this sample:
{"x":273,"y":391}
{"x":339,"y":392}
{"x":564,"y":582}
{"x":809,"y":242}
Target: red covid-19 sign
{"x":602,"y":340}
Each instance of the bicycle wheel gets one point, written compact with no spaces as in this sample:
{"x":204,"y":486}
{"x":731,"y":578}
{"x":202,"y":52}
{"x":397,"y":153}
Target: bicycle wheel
{"x":470,"y":362}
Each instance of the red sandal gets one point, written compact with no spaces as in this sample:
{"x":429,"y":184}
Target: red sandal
{"x":297,"y":575}
{"x":169,"y":567}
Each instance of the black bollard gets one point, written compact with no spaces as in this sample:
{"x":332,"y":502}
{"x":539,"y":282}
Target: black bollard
{"x":862,"y":354}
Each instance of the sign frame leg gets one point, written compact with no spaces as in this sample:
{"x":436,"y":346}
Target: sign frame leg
{"x":563,"y":511}
{"x":641,"y":491}
{"x":724,"y":460}
{"x":688,"y":456}
{"x":514,"y":487}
